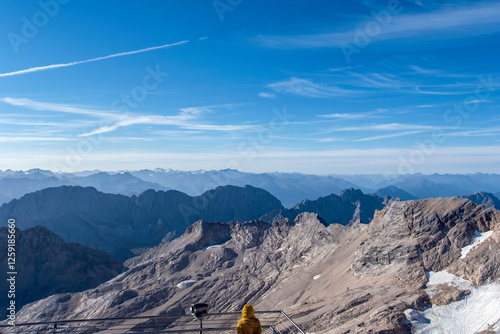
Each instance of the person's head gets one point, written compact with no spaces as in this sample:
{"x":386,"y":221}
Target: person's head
{"x":248,"y":311}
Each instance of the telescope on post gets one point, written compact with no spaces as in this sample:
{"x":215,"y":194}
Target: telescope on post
{"x":199,"y":311}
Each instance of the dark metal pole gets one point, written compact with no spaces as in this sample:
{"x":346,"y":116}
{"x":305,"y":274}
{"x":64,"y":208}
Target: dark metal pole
{"x":201,"y":325}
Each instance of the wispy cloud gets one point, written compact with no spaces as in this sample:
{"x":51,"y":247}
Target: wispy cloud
{"x":23,"y":139}
{"x":50,"y":106}
{"x":454,"y":21}
{"x":329,"y":140}
{"x":352,"y":116}
{"x":494,"y":131}
{"x":344,"y":116}
{"x":399,"y":134}
{"x":478,"y":101}
{"x":14,"y":122}
{"x":415,"y":69}
{"x":186,"y":118}
{"x":391,"y":127}
{"x":121,"y":54}
{"x":267,"y":95}
{"x":363,"y":82}
{"x":426,"y":106}
{"x":308,"y":88}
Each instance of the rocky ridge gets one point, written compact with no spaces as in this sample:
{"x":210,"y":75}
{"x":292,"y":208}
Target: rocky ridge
{"x":120,"y":224}
{"x":332,"y":279}
{"x":47,"y":265}
{"x":484,"y":198}
{"x":349,"y":207}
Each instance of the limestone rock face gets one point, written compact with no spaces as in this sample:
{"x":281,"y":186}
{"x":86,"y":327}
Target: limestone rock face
{"x":330,"y":278}
{"x":425,"y":235}
{"x":232,"y":263}
{"x":47,"y":265}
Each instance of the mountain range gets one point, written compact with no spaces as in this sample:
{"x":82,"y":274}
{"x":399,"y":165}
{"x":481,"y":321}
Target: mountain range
{"x":122,"y":225}
{"x":337,"y":263}
{"x":289,"y":188}
{"x":411,"y":270}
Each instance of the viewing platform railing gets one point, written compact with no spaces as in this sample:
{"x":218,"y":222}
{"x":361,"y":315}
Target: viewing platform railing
{"x":272,"y":322}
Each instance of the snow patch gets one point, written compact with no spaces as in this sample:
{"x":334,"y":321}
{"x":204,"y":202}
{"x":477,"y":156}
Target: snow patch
{"x":186,"y":284}
{"x":477,"y":239}
{"x":213,"y":247}
{"x":477,"y":312}
{"x":444,"y":277}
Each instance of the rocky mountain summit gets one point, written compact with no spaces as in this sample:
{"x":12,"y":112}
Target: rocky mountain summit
{"x":47,"y":265}
{"x":484,"y":198}
{"x":120,"y":224}
{"x":375,"y":278}
{"x":349,"y":207}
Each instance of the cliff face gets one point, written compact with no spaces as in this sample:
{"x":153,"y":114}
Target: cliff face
{"x":119,"y":224}
{"x":349,"y":207}
{"x":47,"y":265}
{"x":427,"y":235}
{"x":331,"y":279}
{"x":484,"y":198}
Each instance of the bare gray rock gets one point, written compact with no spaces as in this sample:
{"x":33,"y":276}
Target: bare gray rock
{"x":330,"y":278}
{"x":484,"y":198}
{"x":47,"y":265}
{"x":420,"y":236}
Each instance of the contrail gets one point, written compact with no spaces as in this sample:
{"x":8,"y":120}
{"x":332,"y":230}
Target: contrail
{"x":50,"y":67}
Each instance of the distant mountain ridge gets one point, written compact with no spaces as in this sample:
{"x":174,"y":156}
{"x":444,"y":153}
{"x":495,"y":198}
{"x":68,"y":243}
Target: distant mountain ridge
{"x":349,"y":207}
{"x":18,"y":183}
{"x":121,"y":183}
{"x":393,"y":191}
{"x":119,"y":224}
{"x":289,"y":188}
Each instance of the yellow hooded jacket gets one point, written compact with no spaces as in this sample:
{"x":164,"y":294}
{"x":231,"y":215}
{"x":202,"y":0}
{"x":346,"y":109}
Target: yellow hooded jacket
{"x":248,"y":323}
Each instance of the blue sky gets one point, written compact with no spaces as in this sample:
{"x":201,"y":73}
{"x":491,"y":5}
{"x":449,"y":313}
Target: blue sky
{"x":311,"y":86}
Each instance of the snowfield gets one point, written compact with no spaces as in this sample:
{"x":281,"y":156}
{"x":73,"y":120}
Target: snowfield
{"x":474,"y":313}
{"x":477,"y":240}
{"x":444,"y":277}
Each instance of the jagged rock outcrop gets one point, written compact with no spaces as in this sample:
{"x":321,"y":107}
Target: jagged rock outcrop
{"x":47,"y":265}
{"x":119,"y":224}
{"x":330,"y":278}
{"x":421,"y":236}
{"x":484,"y":198}
{"x":349,"y":207}
{"x":232,"y":263}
